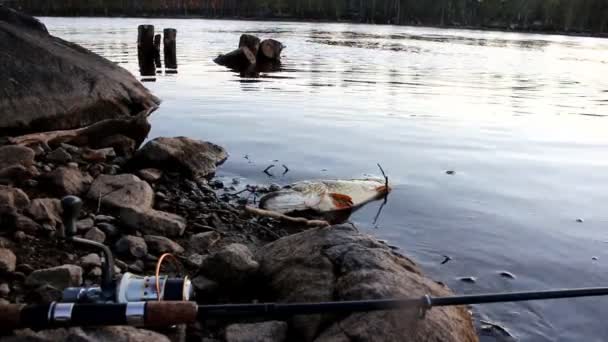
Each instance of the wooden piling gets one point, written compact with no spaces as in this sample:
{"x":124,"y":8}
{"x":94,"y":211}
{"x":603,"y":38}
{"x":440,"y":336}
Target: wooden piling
{"x":157,"y":61}
{"x":170,"y":48}
{"x":145,"y":50}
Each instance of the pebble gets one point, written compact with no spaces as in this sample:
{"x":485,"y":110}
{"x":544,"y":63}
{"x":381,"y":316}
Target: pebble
{"x":73,"y":165}
{"x":470,"y":280}
{"x":95,"y":234}
{"x":31,"y":183}
{"x":20,"y":236}
{"x":108,"y":229}
{"x":46,"y":168}
{"x":5,"y":290}
{"x":161,"y":195}
{"x":274,"y":187}
{"x":60,"y":156}
{"x":104,"y":218}
{"x":85,"y":224}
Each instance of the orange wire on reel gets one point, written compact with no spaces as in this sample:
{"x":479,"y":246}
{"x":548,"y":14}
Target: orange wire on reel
{"x":159,"y":264}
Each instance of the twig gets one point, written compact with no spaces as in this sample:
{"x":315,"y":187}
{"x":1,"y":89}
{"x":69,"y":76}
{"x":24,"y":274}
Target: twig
{"x":99,"y":203}
{"x":285,"y":218}
{"x":267,"y":169}
{"x":383,"y":174}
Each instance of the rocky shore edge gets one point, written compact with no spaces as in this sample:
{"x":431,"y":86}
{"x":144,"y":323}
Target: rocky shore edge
{"x":143,"y":201}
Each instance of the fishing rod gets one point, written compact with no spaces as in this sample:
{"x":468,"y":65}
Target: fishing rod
{"x":167,"y":313}
{"x":160,"y":301}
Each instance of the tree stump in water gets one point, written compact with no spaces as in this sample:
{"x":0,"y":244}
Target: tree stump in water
{"x":271,"y":49}
{"x":251,"y":42}
{"x":170,"y":48}
{"x":145,"y":50}
{"x":157,"y":39}
{"x":240,"y":59}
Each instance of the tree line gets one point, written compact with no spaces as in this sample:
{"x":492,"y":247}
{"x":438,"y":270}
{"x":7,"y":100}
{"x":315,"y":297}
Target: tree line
{"x":589,"y":16}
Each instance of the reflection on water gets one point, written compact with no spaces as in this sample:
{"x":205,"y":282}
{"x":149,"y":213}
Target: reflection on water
{"x":520,"y":119}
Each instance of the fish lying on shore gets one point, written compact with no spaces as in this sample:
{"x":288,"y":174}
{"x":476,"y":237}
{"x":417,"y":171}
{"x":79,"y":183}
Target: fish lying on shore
{"x":324,"y":196}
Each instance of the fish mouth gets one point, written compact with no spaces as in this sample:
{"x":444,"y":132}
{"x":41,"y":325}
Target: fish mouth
{"x":383,"y":190}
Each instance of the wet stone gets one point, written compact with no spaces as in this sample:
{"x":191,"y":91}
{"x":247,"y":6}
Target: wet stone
{"x":59,"y":156}
{"x":85,"y":224}
{"x":108,"y":229}
{"x":95,"y":234}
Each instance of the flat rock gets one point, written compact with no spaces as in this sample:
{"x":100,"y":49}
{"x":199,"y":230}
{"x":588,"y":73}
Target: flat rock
{"x":85,"y":224}
{"x":339,"y":263}
{"x":13,"y":200}
{"x":272,"y":331}
{"x":84,"y":88}
{"x":122,"y":191}
{"x":160,"y":245}
{"x":11,"y":155}
{"x":46,"y":211}
{"x":150,"y":175}
{"x":8,"y":260}
{"x":90,"y":261}
{"x":133,"y":246}
{"x":59,"y":277}
{"x":201,"y":242}
{"x":65,"y":181}
{"x":233,"y":264}
{"x":95,"y":234}
{"x":197,"y":159}
{"x":99,"y":155}
{"x":153,"y":222}
{"x":104,"y":334}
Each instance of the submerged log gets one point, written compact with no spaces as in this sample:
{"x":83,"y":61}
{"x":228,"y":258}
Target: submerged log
{"x":170,"y":48}
{"x":240,"y":59}
{"x":157,"y":61}
{"x":251,"y":42}
{"x":270,"y":49}
{"x":145,"y":50}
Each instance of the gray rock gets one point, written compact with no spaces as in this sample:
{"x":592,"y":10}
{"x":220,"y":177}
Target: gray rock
{"x":137,"y":267}
{"x":150,"y":175}
{"x":204,"y":285}
{"x":122,"y":191}
{"x":233,"y":265}
{"x":339,"y":263}
{"x":273,"y":331}
{"x":96,"y":235}
{"x":195,"y":260}
{"x":26,"y":224}
{"x":67,"y":181}
{"x":46,"y":211}
{"x":100,"y":155}
{"x":123,"y":145}
{"x":90,"y":261}
{"x":161,"y":244}
{"x":8,"y":260}
{"x":95,"y":273}
{"x":109,"y":229}
{"x":198,"y":159}
{"x":85,"y":224}
{"x":133,"y":246}
{"x":11,"y":155}
{"x":104,"y":219}
{"x":5,"y":290}
{"x":12,"y":200}
{"x":201,"y":242}
{"x":32,"y":103}
{"x":152,"y":222}
{"x":70,"y":148}
{"x":59,"y":156}
{"x":59,"y":277}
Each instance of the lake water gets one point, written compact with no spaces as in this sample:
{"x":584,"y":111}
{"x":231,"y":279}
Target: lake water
{"x":520,"y":118}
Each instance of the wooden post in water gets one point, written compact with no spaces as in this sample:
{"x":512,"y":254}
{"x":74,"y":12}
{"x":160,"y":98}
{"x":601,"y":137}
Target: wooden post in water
{"x":170,"y":48}
{"x":145,"y":50}
{"x":157,"y":61}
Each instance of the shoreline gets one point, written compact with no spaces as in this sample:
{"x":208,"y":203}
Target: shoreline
{"x":601,"y":35}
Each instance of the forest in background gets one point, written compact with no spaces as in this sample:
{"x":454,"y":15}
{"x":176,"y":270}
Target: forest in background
{"x":582,"y":16}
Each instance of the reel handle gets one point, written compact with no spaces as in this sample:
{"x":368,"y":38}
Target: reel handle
{"x":71,"y":206}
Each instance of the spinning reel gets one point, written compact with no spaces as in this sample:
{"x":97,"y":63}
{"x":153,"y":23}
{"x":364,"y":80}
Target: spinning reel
{"x":130,"y":288}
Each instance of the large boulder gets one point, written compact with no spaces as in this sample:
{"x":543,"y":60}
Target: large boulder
{"x":49,"y":84}
{"x":198,"y":159}
{"x":338,"y":263}
{"x":150,"y":221}
{"x":16,"y":162}
{"x":59,"y":277}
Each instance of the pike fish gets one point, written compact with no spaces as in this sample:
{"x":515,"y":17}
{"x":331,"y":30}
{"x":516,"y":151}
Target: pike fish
{"x":324,"y":196}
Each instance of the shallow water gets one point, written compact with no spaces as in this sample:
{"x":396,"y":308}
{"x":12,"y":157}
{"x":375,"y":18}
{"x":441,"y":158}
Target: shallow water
{"x":520,"y":118}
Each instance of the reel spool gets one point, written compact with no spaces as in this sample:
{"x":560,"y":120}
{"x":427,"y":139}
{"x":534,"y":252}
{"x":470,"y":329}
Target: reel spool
{"x":133,"y":288}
